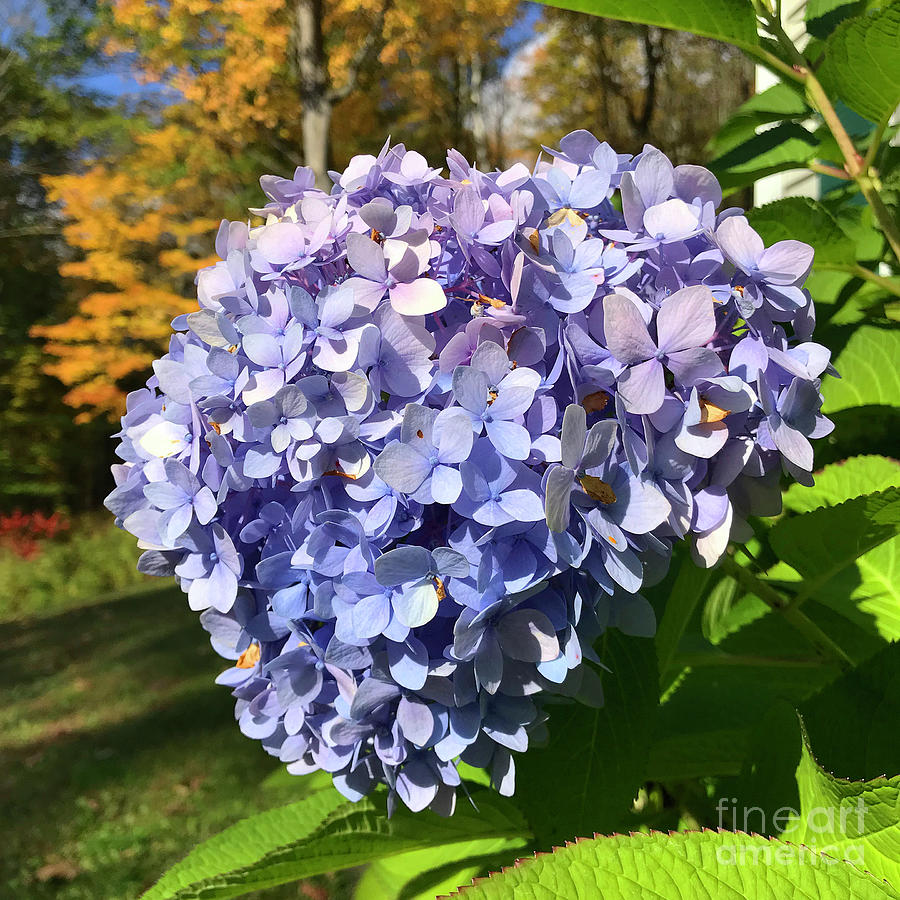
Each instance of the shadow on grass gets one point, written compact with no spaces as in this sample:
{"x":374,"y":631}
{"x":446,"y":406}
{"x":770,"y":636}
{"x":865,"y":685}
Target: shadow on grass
{"x":102,"y":633}
{"x":117,"y":751}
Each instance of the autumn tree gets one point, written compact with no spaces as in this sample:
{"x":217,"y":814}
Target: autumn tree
{"x":242,"y":87}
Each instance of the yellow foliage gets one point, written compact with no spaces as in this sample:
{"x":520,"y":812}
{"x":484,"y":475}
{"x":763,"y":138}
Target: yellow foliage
{"x":143,"y":222}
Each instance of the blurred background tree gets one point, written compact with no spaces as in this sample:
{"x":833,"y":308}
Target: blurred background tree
{"x":47,"y":120}
{"x":634,"y":84}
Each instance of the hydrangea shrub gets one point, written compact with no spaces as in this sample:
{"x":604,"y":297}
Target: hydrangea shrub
{"x":427,"y":436}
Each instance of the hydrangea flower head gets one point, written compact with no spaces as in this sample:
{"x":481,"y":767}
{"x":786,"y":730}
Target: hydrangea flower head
{"x":424,"y":436}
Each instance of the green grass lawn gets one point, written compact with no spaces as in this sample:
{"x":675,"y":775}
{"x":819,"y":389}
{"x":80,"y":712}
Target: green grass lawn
{"x":117,"y":751}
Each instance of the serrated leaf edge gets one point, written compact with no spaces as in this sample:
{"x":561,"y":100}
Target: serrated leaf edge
{"x":537,"y":854}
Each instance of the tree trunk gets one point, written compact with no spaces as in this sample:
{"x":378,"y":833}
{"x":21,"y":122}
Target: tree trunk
{"x":312,"y":79}
{"x":476,"y":105}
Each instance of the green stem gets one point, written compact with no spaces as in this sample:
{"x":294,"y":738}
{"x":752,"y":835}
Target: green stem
{"x":886,"y":219}
{"x":862,"y":272}
{"x":857,"y":167}
{"x":772,"y":62}
{"x":799,"y":620}
{"x":833,"y":171}
{"x":875,"y":143}
{"x":773,"y":23}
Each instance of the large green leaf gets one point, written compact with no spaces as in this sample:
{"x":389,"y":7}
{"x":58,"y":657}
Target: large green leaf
{"x":709,"y":717}
{"x":867,"y":590}
{"x":857,"y":821}
{"x":681,"y":866}
{"x":586,"y":777}
{"x":852,"y":722}
{"x":704,"y":753}
{"x":775,"y":104}
{"x":869,"y":372}
{"x":843,"y":481}
{"x":325,"y":833}
{"x":861,"y":62}
{"x":779,"y":149}
{"x":725,"y":20}
{"x":423,"y":873}
{"x":858,"y":222}
{"x":803,"y":219}
{"x":823,"y":543}
{"x":823,"y":16}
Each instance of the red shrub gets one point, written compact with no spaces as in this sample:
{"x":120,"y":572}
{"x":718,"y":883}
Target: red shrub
{"x":23,"y":532}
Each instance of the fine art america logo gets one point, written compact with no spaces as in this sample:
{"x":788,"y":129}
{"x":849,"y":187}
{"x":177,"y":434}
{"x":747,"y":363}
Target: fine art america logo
{"x":827,"y":834}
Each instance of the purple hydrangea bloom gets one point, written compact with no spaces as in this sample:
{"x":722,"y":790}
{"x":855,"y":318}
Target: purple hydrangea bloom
{"x":423,"y":437}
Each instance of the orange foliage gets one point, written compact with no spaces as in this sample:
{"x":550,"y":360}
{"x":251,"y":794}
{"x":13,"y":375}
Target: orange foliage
{"x":143,"y":222}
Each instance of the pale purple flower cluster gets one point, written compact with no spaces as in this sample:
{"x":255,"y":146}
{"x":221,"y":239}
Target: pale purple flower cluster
{"x":427,"y":436}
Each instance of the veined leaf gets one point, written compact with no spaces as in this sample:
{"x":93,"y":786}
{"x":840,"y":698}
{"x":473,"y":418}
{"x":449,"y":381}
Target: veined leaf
{"x":856,"y":821}
{"x":680,"y":867}
{"x":868,"y":369}
{"x":823,"y":16}
{"x":861,"y":62}
{"x":779,"y":149}
{"x":843,"y":481}
{"x":775,"y":104}
{"x":822,"y":543}
{"x":868,"y":591}
{"x":423,"y":873}
{"x":803,"y":219}
{"x":850,"y":722}
{"x":714,"y":709}
{"x":324,"y":833}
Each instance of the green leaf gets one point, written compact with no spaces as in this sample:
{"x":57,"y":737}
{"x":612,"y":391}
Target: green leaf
{"x":423,"y":873}
{"x":869,"y":372}
{"x":786,"y":146}
{"x":823,"y":16}
{"x":858,"y":223}
{"x":861,"y":62}
{"x":843,"y":481}
{"x":822,"y":543}
{"x":724,"y":20}
{"x":707,"y":722}
{"x":851,"y":722}
{"x":803,"y":219}
{"x":727,"y":610}
{"x":324,"y":833}
{"x":703,"y":754}
{"x":856,"y":553}
{"x":678,"y":867}
{"x":767,"y":783}
{"x":856,"y":821}
{"x":775,"y":104}
{"x":586,"y":777}
{"x":687,"y":591}
{"x":867,"y":592}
